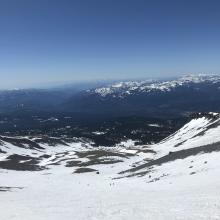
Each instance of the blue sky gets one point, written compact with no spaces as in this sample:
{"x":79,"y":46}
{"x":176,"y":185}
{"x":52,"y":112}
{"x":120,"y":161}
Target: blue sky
{"x":47,"y":41}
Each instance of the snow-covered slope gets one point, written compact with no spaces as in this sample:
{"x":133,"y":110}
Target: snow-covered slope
{"x":179,"y":178}
{"x":198,"y":142}
{"x":36,"y":154}
{"x":123,"y":89}
{"x":200,"y":131}
{"x":199,"y":136}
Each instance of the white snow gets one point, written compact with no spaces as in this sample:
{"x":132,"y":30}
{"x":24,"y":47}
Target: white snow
{"x":189,"y":136}
{"x":99,"y":132}
{"x":63,"y":195}
{"x":154,"y":125}
{"x":183,"y":189}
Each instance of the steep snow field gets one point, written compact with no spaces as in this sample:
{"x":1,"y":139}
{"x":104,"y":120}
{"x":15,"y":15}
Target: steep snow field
{"x":175,"y":179}
{"x":198,"y":132}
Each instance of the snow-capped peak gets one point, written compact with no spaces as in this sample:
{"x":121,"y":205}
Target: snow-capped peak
{"x":123,"y":89}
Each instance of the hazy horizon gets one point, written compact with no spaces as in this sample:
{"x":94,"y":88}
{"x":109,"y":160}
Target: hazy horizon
{"x":54,"y":84}
{"x":97,"y":82}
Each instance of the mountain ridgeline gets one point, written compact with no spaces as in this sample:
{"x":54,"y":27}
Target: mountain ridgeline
{"x":172,"y":98}
{"x":155,"y":99}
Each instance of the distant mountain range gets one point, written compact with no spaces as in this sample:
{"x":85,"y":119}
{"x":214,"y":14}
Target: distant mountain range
{"x":124,"y":89}
{"x":194,"y":93}
{"x":173,"y":98}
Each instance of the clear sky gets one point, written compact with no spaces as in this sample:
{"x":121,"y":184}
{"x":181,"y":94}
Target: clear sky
{"x":45,"y":41}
